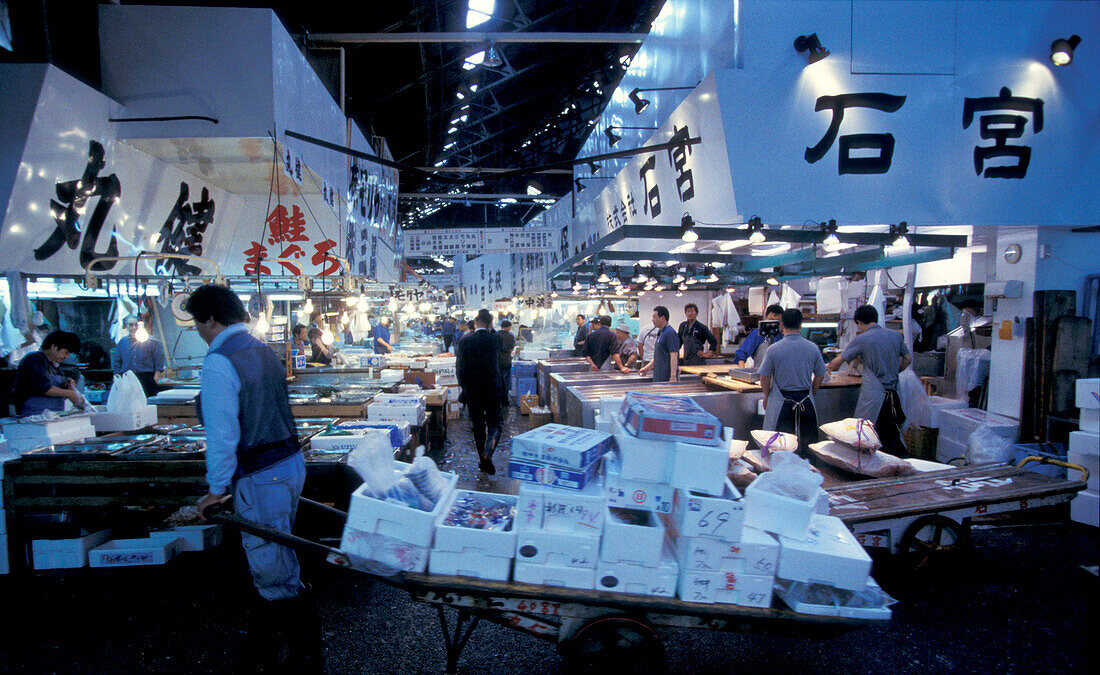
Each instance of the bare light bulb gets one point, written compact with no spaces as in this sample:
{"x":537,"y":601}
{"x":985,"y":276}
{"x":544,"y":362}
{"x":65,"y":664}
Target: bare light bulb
{"x":262,"y":325}
{"x":327,"y":337}
{"x":308,"y":307}
{"x":142,"y":334}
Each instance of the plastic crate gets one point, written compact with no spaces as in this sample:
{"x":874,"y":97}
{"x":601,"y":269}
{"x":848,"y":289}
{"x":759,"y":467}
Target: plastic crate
{"x":526,"y":386}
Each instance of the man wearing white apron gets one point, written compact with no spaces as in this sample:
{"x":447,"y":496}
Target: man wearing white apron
{"x":791,"y":373}
{"x":884,"y":356}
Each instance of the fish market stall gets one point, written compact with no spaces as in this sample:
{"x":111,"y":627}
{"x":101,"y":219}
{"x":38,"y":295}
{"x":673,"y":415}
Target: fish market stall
{"x":561,"y":381}
{"x":546,"y":367}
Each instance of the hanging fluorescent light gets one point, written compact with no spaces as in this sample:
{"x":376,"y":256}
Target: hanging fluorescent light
{"x":687,"y":229}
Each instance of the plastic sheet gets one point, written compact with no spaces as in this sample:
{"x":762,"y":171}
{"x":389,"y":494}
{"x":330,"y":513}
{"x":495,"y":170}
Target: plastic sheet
{"x":971,"y":370}
{"x":914,"y":400}
{"x":986,"y":446}
{"x":126,"y":394}
{"x":790,"y":476}
{"x":853,"y":431}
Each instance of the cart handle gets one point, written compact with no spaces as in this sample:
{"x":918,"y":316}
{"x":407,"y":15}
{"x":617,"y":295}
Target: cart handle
{"x":220,"y":513}
{"x":1056,"y":462}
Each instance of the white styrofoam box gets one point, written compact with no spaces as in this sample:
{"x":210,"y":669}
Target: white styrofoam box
{"x":178,"y":395}
{"x":1084,"y":443}
{"x":346,"y":440}
{"x":48,"y":554}
{"x":534,"y":354}
{"x":413,"y":414}
{"x":560,"y":445}
{"x":1088,"y":393}
{"x":828,"y":555}
{"x":756,"y":553}
{"x":400,"y":431}
{"x":23,"y":435}
{"x":1091,"y":463}
{"x":457,"y":539}
{"x":553,"y":575}
{"x":697,"y":515}
{"x":193,"y":537}
{"x":623,"y":577}
{"x":948,"y":449}
{"x":957,"y":424}
{"x":635,"y":494}
{"x":644,"y":458}
{"x":1089,"y":421}
{"x":747,"y":590}
{"x":669,"y":418}
{"x":632,"y":535}
{"x":542,"y":507}
{"x":390,"y":552}
{"x":401,"y":399}
{"x":1085,"y":508}
{"x":700,"y":468}
{"x":389,"y":519}
{"x":609,"y":407}
{"x":128,"y":420}
{"x":131,"y":552}
{"x":937,"y":404}
{"x":870,"y":603}
{"x":557,"y":549}
{"x":602,"y":426}
{"x":776,"y":513}
{"x":470,"y":563}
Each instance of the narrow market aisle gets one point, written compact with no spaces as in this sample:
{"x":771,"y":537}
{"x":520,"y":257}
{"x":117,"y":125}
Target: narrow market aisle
{"x":460,"y":456}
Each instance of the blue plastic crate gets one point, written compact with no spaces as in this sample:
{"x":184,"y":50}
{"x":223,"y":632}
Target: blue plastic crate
{"x":526,"y":385}
{"x":525,"y":369}
{"x":1048,"y":450}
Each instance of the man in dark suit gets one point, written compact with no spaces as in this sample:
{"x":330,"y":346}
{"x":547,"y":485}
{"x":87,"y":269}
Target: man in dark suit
{"x":477,"y":365}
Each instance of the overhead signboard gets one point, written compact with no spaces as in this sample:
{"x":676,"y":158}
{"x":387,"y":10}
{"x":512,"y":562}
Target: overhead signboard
{"x":476,"y":241}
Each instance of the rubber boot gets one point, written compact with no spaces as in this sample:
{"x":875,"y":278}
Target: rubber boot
{"x":264,"y":652}
{"x":303,"y":634}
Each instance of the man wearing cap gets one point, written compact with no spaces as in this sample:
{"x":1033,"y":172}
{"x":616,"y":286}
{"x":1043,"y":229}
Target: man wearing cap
{"x":144,"y":357}
{"x":600,"y":345}
{"x":626,"y":351}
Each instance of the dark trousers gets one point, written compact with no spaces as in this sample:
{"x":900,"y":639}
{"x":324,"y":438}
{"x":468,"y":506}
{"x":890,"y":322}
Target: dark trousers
{"x":800,"y":422}
{"x":485,"y":416}
{"x":505,"y":384}
{"x":148,"y":383}
{"x":447,"y":339}
{"x":888,"y":425}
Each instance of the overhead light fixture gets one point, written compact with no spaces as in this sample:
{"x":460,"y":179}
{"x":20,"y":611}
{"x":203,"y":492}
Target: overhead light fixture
{"x":534,"y":188}
{"x":640,"y":104}
{"x":678,"y":278}
{"x":639,"y":275}
{"x":830,"y":233}
{"x":578,"y":185}
{"x":772,"y":281}
{"x":613,"y":138}
{"x":811,"y":46}
{"x":478,"y":12}
{"x":1061,"y":50}
{"x":711,"y":276}
{"x":756,"y":227}
{"x":553,"y":294}
{"x":687,"y":229}
{"x":603,"y":278}
{"x":901,"y":229}
{"x":576,"y":284}
{"x":142,"y":333}
{"x":493,"y":60}
{"x":594,"y":167}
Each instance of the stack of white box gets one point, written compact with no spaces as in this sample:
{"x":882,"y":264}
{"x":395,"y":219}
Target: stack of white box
{"x":937,"y":404}
{"x":1084,"y":449}
{"x":409,"y":408}
{"x":634,"y":557}
{"x":26,"y":435}
{"x":558,"y":455}
{"x":48,"y":554}
{"x":956,"y":425}
{"x":483,"y":550}
{"x":444,"y":369}
{"x":558,"y":535}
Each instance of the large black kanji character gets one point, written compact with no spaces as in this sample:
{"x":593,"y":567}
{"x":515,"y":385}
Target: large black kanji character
{"x":678,"y":157}
{"x":1000,"y":128}
{"x":884,"y":143}
{"x":183,"y":231}
{"x":652,"y":203}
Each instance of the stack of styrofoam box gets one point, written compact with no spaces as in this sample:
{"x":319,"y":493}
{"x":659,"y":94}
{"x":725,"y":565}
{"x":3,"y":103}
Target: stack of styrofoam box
{"x":826,"y":553}
{"x":404,"y":407}
{"x":558,"y":455}
{"x":444,"y":369}
{"x":633,"y":555}
{"x":127,"y":420}
{"x":1084,"y":449}
{"x":390,"y":533}
{"x":473,"y":552}
{"x":534,"y":354}
{"x":24,"y":435}
{"x":558,"y":535}
{"x":133,"y":552}
{"x":956,"y":425}
{"x":605,"y":413}
{"x":720,"y":560}
{"x":341,"y":440}
{"x":48,"y":554}
{"x":937,"y":404}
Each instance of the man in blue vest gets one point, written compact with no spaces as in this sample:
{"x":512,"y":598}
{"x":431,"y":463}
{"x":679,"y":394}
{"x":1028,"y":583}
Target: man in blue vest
{"x":252,"y":453}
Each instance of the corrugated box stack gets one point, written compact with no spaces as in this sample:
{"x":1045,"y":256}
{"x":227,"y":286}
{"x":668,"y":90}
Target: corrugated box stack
{"x":403,"y":407}
{"x":1084,"y":449}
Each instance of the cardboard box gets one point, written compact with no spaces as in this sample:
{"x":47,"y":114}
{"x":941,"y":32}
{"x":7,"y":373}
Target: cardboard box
{"x":829,"y":554}
{"x":526,"y":402}
{"x":414,"y":415}
{"x":454,"y":410}
{"x":541,"y":416}
{"x":390,"y":553}
{"x":545,"y":508}
{"x":562,"y":446}
{"x":757,"y":552}
{"x":699,"y":515}
{"x":1085,"y":508}
{"x":470,"y":564}
{"x":669,"y":418}
{"x":48,"y":554}
{"x":631,"y":535}
{"x":374,"y":516}
{"x":421,"y":377}
{"x":128,"y":420}
{"x":499,"y":543}
{"x":776,"y":513}
{"x":700,"y":468}
{"x":635,"y":494}
{"x":644,"y":458}
{"x":132,"y":552}
{"x":552,"y":575}
{"x":623,"y":577}
{"x":553,"y":476}
{"x":747,"y":590}
{"x":557,"y":549}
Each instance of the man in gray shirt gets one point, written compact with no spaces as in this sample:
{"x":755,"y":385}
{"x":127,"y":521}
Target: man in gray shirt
{"x":884,"y":356}
{"x":791,"y":373}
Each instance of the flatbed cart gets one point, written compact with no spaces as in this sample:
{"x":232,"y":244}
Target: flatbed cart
{"x":596,"y":631}
{"x":928,"y":514}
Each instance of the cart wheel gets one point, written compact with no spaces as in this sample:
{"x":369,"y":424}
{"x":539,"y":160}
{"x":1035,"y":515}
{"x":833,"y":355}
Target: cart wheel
{"x":931,"y":540}
{"x":615,"y":644}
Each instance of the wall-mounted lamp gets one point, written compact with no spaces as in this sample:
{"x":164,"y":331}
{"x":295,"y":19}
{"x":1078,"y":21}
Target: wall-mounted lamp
{"x":829,"y":229}
{"x":901,"y":229}
{"x":756,"y":228}
{"x":578,"y":185}
{"x":613,"y":138}
{"x":594,"y":167}
{"x":640,"y":104}
{"x":811,"y":45}
{"x":687,"y":229}
{"x":1061,"y":50}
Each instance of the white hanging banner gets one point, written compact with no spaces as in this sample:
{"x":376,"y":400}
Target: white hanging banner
{"x":476,"y":241}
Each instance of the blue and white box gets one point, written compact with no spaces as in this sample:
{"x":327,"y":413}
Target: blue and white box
{"x":554,"y":476}
{"x":563,"y":446}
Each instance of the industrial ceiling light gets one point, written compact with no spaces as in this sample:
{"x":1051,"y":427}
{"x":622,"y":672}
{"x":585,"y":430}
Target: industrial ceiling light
{"x":772,"y":281}
{"x":493,"y":60}
{"x":811,"y":45}
{"x":603,"y":278}
{"x":756,"y":227}
{"x":687,"y":229}
{"x":553,"y":294}
{"x":830,"y":233}
{"x":901,"y":229}
{"x":534,"y":188}
{"x":578,"y":185}
{"x":613,"y":138}
{"x":1061,"y":50}
{"x":711,"y":276}
{"x":640,"y":104}
{"x":594,"y":167}
{"x":576,"y":284}
{"x":678,"y":278}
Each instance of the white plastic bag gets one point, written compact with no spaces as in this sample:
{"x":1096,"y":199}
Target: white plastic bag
{"x":126,"y":394}
{"x":971,"y":370}
{"x":790,"y":476}
{"x":986,"y":446}
{"x":372,"y":459}
{"x":914,"y":400}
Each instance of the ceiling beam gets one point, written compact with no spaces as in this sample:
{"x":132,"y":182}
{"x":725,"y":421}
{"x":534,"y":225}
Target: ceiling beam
{"x":469,"y":37}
